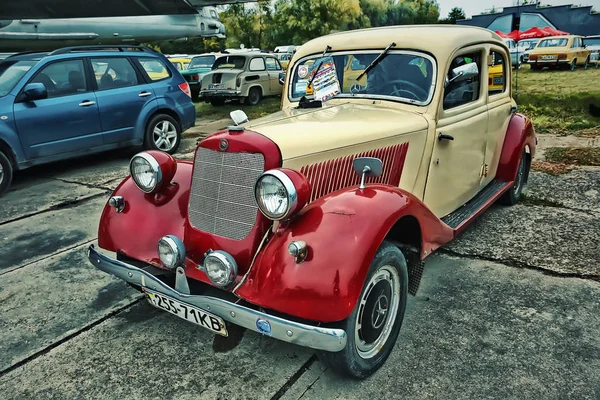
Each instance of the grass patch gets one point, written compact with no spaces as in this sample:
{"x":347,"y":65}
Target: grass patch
{"x":267,"y":106}
{"x":574,"y":155}
{"x":558,"y":101}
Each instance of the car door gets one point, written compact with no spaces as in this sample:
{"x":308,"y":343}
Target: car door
{"x":121,"y":93}
{"x":67,"y":120}
{"x":274,"y":68}
{"x":258,"y":75}
{"x":461,"y":134}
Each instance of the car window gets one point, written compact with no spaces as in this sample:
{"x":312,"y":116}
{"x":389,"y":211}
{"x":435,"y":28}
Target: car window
{"x":553,"y":43}
{"x":202,"y":62}
{"x":213,"y":14}
{"x":11,"y":73}
{"x":460,"y":92}
{"x":63,"y":78}
{"x":356,"y":65}
{"x":155,"y":68}
{"x":497,"y":73}
{"x":177,"y":65}
{"x":272,"y":64}
{"x":113,"y":73}
{"x":257,"y":64}
{"x":229,"y":62}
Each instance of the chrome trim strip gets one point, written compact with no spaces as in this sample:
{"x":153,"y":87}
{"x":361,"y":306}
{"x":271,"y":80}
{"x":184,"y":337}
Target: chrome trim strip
{"x":315,"y":337}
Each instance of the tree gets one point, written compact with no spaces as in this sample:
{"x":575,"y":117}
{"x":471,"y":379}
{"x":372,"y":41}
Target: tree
{"x":455,"y":14}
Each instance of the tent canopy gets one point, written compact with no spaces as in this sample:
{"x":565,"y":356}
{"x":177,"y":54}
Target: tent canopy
{"x":532,"y":33}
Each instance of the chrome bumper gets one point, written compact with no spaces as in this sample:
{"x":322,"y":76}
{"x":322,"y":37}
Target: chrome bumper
{"x":221,"y":93}
{"x":288,"y":331}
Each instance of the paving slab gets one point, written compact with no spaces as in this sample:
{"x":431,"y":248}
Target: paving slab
{"x":480,"y":330}
{"x":44,"y":196}
{"x":31,"y":239}
{"x":559,"y":240}
{"x":144,"y":353}
{"x":45,"y":302}
{"x":579,"y":189}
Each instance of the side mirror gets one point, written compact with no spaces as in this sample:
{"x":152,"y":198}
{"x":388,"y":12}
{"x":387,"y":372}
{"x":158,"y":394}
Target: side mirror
{"x":367,"y":166}
{"x":238,"y":117}
{"x":463,"y":73}
{"x":35,"y":91}
{"x":281,"y":78}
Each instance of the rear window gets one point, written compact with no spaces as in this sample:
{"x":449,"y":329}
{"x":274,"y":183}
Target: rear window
{"x":155,"y":68}
{"x":230,"y":62}
{"x":11,"y":73}
{"x":553,"y":43}
{"x":202,"y":62}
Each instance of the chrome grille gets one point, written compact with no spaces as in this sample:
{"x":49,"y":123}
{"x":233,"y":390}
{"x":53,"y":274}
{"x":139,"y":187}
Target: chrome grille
{"x":222,"y":196}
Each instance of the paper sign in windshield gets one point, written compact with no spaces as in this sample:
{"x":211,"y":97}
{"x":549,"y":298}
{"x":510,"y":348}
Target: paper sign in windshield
{"x":325,"y":84}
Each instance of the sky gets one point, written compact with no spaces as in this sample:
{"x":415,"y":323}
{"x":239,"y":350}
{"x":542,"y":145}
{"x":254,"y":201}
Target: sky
{"x":472,"y":7}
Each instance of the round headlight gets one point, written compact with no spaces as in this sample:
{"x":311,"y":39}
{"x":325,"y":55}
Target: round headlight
{"x":275,"y":195}
{"x":220,"y":268}
{"x":145,"y":171}
{"x":171,"y":251}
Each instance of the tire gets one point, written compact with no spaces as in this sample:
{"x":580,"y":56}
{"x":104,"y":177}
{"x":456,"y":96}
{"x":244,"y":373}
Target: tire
{"x":6,"y":173}
{"x":217,"y":102}
{"x":573,"y":64}
{"x":163,"y":133}
{"x":587,"y":63}
{"x":195,"y":95}
{"x":386,"y":288}
{"x":536,"y":67}
{"x":254,"y":96}
{"x":513,"y":195}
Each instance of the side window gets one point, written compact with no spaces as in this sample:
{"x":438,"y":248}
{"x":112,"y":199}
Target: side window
{"x":155,"y":68}
{"x":113,"y":73}
{"x":272,"y":64}
{"x":63,"y":78}
{"x":257,"y":64}
{"x":463,"y":88}
{"x":497,"y":73}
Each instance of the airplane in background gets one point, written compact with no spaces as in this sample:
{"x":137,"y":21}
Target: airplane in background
{"x":38,"y":25}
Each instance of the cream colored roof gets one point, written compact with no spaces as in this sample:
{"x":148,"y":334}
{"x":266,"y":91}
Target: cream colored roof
{"x":439,"y":40}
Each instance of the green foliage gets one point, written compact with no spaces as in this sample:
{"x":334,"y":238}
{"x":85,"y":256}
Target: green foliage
{"x":454,"y":15}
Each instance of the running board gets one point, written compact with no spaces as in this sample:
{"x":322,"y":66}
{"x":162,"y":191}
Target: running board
{"x":478,"y":204}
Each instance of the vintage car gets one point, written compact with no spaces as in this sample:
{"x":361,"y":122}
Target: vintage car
{"x":592,"y":43}
{"x":197,"y":68}
{"x":284,"y":59}
{"x":180,"y":63}
{"x":516,"y":55}
{"x":496,"y":74}
{"x":311,"y":225}
{"x":557,"y":51}
{"x":245,"y":76}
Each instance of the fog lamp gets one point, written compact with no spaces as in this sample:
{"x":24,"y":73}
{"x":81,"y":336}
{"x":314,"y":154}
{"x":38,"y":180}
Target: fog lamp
{"x":171,"y":251}
{"x":298,"y":250}
{"x":220,"y":268}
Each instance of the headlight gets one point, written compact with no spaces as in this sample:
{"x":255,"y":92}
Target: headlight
{"x":145,"y":171}
{"x":171,"y":251}
{"x":275,"y":194}
{"x":220,"y":268}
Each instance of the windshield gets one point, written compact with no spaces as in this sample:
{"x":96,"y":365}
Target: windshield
{"x":403,"y":76}
{"x":230,"y":62}
{"x":553,"y":43}
{"x":527,"y":44}
{"x":11,"y":73}
{"x":202,"y":62}
{"x":592,"y":42}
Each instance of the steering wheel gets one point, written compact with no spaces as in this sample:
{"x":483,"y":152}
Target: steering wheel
{"x":397,"y":85}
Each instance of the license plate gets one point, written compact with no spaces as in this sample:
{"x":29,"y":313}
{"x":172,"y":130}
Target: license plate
{"x":548,"y":57}
{"x":498,"y":81}
{"x":187,"y":312}
{"x":216,"y":86}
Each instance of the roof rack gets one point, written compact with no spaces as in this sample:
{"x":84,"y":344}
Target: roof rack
{"x":27,"y":52}
{"x":75,"y":49}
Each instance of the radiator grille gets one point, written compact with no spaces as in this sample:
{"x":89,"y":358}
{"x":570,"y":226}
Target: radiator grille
{"x":331,"y":175}
{"x":222,"y":196}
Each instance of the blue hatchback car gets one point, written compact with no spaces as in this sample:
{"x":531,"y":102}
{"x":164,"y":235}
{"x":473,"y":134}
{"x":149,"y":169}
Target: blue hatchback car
{"x":81,"y":100}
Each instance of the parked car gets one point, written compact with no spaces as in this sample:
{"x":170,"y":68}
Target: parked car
{"x":284,"y":59}
{"x":245,"y":76}
{"x":311,"y":225}
{"x":557,"y":51}
{"x":592,"y":43}
{"x":180,"y":63}
{"x":496,"y":80}
{"x":81,"y":100}
{"x":516,"y":59}
{"x":525,"y":46}
{"x":198,"y":67}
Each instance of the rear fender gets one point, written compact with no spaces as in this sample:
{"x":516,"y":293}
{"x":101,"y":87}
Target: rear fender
{"x":519,"y":137}
{"x":146,"y":218}
{"x":343,"y":231}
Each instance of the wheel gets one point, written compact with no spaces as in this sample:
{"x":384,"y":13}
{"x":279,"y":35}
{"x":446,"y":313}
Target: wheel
{"x":536,"y":67}
{"x":163,"y":133}
{"x":6,"y":173}
{"x":217,"y":102}
{"x":573,"y":64}
{"x":587,"y":63}
{"x":254,"y":96}
{"x":512,"y":196}
{"x":373,"y":326}
{"x":195,"y":95}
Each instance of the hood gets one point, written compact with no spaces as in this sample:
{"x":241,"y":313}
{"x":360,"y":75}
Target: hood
{"x":302,"y":132}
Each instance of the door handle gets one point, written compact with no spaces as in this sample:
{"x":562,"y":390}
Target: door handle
{"x":443,"y":136}
{"x":145,"y":94}
{"x":86,"y":103}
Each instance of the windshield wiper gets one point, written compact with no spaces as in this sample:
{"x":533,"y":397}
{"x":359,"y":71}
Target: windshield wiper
{"x":377,"y":60}
{"x":327,"y":48}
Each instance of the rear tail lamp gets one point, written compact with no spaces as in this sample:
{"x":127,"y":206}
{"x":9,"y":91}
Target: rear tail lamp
{"x":238,"y":82}
{"x":533,"y":57}
{"x":195,"y":77}
{"x":562,"y":56}
{"x":185,"y":88}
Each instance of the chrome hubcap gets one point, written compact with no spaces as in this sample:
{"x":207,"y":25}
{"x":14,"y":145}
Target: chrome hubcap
{"x":377,"y":312}
{"x":165,"y":135}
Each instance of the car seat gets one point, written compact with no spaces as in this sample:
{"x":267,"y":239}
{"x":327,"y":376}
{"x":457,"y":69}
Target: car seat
{"x":77,"y":81}
{"x":106,"y":82}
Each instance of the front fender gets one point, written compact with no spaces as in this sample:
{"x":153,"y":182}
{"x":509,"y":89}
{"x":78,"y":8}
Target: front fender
{"x":520,"y":134}
{"x":146,"y":217}
{"x":343,"y":231}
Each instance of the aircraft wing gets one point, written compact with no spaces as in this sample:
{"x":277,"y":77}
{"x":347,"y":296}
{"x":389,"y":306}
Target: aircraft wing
{"x":46,"y":9}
